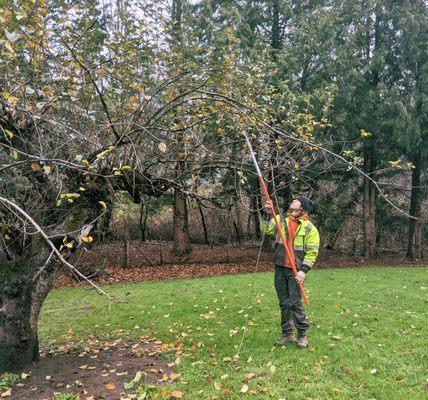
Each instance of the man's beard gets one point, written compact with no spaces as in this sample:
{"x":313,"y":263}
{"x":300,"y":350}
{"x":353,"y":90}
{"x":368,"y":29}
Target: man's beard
{"x":296,"y":214}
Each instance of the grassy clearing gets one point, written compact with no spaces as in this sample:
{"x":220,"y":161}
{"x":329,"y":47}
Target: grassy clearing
{"x":367,"y":341}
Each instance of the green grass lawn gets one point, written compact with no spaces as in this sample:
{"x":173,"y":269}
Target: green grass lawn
{"x":368,"y":336}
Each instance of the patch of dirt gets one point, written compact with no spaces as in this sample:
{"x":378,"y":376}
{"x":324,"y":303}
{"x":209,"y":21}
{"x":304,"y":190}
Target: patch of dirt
{"x":99,"y":370}
{"x":153,"y":261}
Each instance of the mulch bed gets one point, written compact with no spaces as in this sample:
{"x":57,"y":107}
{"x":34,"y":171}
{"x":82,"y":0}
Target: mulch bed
{"x":98,"y":371}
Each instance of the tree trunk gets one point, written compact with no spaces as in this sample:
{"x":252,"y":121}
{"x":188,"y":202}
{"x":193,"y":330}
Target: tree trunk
{"x":238,"y":237}
{"x":22,"y":294}
{"x":126,"y":252}
{"x":372,"y":220}
{"x":181,"y":225}
{"x":413,"y":246}
{"x":144,"y":212}
{"x":238,"y":223}
{"x":369,"y":208}
{"x":255,"y":206}
{"x":201,"y":212}
{"x":276,"y":29}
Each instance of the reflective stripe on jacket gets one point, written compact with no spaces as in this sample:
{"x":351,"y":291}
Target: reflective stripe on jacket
{"x":306,"y":243}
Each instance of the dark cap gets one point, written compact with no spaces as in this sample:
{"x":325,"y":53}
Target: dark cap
{"x":306,"y":203}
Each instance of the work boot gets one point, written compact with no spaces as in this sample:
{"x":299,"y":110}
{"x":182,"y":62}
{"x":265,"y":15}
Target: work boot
{"x":302,"y":341}
{"x":286,"y":338}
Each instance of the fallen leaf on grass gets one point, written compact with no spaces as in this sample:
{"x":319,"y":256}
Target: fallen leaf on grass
{"x":164,"y":377}
{"x":137,"y":377}
{"x":316,"y":367}
{"x":208,"y":315}
{"x":173,"y":377}
{"x":346,"y":371}
{"x":335,"y":390}
{"x":244,"y":389}
{"x":249,"y":376}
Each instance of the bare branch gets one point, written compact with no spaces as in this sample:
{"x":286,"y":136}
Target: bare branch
{"x":52,"y":246}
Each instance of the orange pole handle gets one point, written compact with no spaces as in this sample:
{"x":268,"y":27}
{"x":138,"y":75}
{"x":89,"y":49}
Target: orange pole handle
{"x":283,"y":239}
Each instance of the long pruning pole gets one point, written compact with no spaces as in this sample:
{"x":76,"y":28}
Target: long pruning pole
{"x":277,"y":222}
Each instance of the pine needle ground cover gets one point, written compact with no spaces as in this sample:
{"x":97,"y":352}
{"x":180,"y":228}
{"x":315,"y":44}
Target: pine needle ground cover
{"x":368,"y":336}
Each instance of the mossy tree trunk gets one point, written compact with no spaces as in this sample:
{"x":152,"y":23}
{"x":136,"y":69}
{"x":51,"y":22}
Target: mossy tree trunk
{"x":24,"y":286}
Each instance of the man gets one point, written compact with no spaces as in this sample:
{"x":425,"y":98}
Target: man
{"x":303,"y":237}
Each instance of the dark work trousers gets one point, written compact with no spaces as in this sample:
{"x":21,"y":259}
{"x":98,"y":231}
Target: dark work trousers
{"x":290,"y":301}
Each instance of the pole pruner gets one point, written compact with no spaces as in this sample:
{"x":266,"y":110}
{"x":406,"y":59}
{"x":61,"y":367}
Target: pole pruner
{"x":274,"y":214}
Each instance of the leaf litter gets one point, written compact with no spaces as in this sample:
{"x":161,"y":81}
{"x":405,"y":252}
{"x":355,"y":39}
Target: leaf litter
{"x":110,"y":370}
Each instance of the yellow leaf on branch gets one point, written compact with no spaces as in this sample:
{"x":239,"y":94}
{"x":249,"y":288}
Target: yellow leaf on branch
{"x":35,"y":167}
{"x":364,"y":133}
{"x":394,"y":164}
{"x":9,"y":133}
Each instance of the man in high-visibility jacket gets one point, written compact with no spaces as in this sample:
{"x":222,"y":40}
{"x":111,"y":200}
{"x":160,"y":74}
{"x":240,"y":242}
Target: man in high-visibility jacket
{"x":303,"y":237}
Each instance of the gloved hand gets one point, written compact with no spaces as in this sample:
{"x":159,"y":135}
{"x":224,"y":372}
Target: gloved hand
{"x":269,"y":206}
{"x":300,"y":277}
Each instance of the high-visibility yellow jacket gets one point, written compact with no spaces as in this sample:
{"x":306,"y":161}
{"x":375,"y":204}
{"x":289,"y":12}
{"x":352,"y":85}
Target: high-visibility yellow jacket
{"x":306,"y":243}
